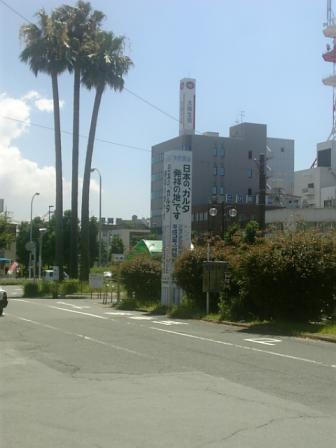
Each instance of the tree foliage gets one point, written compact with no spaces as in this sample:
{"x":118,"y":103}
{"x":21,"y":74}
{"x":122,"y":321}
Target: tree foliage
{"x":7,"y":232}
{"x":287,"y":277}
{"x":142,"y":275}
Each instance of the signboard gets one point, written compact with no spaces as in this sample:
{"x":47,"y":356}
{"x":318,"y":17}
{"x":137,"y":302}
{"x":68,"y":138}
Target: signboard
{"x":187,"y":106}
{"x":55,"y":272}
{"x":30,"y":246}
{"x":215,"y":276}
{"x":176,"y":218}
{"x":96,"y":281}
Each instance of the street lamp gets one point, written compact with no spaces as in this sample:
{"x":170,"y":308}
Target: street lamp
{"x":42,"y":232}
{"x":213,"y":212}
{"x":100,"y":206}
{"x":49,"y":211}
{"x":31,"y":237}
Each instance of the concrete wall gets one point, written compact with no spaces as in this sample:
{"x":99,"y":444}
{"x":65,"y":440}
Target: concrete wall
{"x":281,"y":162}
{"x":309,"y":215}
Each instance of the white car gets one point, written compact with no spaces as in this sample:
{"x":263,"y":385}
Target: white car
{"x":3,"y":300}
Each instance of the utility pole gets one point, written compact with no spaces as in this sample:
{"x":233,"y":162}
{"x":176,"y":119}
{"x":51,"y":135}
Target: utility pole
{"x":262,"y":191}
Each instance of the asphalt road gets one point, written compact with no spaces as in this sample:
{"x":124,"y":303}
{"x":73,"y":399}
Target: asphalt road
{"x":78,"y":374}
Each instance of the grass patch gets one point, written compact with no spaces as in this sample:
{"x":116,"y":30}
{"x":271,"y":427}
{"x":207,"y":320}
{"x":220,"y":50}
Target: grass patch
{"x":11,"y":281}
{"x":292,"y":328}
{"x":158,"y":310}
{"x":185,"y":311}
{"x":127,"y":304}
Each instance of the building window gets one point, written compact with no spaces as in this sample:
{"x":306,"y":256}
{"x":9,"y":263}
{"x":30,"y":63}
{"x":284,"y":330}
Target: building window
{"x":221,"y":190}
{"x":214,"y":189}
{"x":214,"y":150}
{"x":249,"y":173}
{"x":221,"y":171}
{"x":311,"y":185}
{"x":250,"y":155}
{"x":249,"y":191}
{"x":215,"y":170}
{"x":282,"y":149}
{"x":222,"y":150}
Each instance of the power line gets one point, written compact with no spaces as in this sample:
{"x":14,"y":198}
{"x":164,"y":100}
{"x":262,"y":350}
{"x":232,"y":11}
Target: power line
{"x":167,"y":114}
{"x":49,"y":128}
{"x":151,"y":104}
{"x":16,"y":12}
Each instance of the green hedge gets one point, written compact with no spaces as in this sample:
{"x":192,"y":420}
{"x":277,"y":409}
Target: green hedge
{"x":287,"y":277}
{"x":50,"y":288}
{"x":142,"y":275}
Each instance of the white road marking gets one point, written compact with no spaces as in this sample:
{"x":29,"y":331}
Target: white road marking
{"x":84,"y":337}
{"x":169,"y":322}
{"x":78,"y":312}
{"x":141,"y":318}
{"x":119,"y":313}
{"x":244,"y":347}
{"x":74,"y":306}
{"x":265,"y":341}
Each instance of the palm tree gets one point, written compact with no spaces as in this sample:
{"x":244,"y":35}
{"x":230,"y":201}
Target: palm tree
{"x":82,"y":24}
{"x":106,"y":66}
{"x":45,"y":52}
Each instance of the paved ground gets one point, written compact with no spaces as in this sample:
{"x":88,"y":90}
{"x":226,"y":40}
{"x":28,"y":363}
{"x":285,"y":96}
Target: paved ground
{"x":79,"y":374}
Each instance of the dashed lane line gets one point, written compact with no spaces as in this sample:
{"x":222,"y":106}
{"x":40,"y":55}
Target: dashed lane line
{"x":82,"y":336}
{"x":244,"y":347}
{"x":79,"y":312}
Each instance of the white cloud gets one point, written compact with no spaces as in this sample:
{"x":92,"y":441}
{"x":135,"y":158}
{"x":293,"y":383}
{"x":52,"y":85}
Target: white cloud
{"x":45,"y":105}
{"x":14,"y":118}
{"x":20,"y":178}
{"x":41,"y":103}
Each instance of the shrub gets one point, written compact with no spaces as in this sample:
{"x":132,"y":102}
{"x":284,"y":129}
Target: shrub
{"x":291,"y":278}
{"x":31,"y":289}
{"x":188,"y":274}
{"x":186,"y":310}
{"x":127,"y":304}
{"x":45,"y":288}
{"x":250,"y":232}
{"x":69,"y":287}
{"x":142,"y":275}
{"x":54,"y":289}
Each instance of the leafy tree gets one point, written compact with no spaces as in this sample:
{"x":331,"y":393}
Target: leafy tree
{"x":82,"y":23}
{"x":117,"y":246}
{"x":45,"y":51}
{"x":105,"y":68}
{"x":250,"y":233}
{"x":142,"y":275}
{"x":7,"y":236}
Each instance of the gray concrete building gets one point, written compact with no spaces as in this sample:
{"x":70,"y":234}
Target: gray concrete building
{"x":224,"y":168}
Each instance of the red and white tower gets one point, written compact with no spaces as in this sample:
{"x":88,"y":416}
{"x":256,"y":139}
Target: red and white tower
{"x":329,"y":31}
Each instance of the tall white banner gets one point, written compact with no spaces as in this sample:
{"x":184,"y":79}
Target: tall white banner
{"x":187,"y":106}
{"x":176,"y":218}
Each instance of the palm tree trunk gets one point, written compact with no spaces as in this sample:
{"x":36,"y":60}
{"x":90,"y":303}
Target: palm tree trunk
{"x":85,"y":242}
{"x":74,"y":181}
{"x":59,"y":249}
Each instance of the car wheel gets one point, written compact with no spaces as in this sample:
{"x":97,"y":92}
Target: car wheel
{"x":1,"y":311}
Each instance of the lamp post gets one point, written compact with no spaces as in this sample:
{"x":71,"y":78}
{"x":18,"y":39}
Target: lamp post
{"x":31,"y":237}
{"x":213,"y":213}
{"x":100,"y":223}
{"x":42,"y":232}
{"x":49,"y":211}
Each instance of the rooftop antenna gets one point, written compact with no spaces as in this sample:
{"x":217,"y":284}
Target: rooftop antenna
{"x":330,"y":56}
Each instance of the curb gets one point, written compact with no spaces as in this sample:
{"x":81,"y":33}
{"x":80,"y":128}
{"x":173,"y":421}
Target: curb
{"x":317,"y":337}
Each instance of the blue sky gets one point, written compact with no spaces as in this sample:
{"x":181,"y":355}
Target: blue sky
{"x":259,"y":56}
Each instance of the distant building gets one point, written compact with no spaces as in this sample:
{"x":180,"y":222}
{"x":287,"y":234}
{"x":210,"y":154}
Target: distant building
{"x":225,"y":169}
{"x":129,"y":231}
{"x":317,"y":185}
